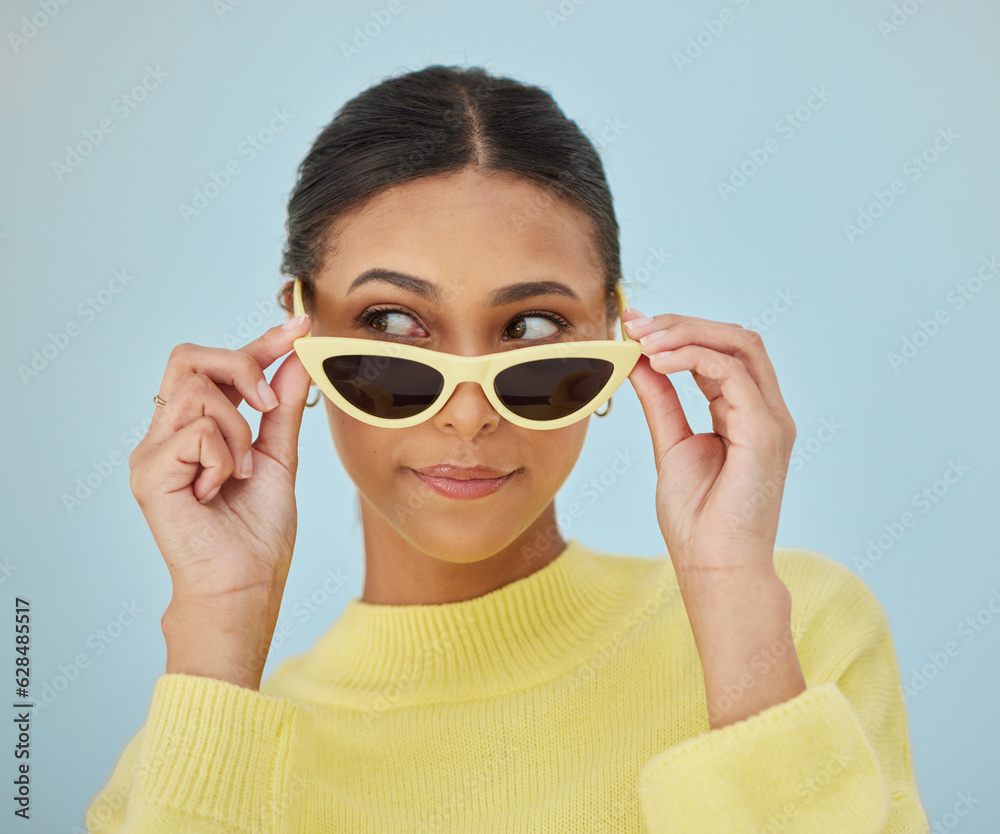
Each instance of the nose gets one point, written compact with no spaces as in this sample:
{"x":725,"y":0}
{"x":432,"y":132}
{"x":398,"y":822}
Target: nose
{"x":468,"y":411}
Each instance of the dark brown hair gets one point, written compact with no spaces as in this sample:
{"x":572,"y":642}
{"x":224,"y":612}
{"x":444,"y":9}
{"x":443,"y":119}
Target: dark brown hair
{"x":441,"y":120}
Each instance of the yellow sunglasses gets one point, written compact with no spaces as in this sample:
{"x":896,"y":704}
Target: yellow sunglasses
{"x":393,"y":385}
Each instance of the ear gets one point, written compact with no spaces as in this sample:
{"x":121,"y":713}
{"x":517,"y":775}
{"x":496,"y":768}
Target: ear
{"x":288,"y":297}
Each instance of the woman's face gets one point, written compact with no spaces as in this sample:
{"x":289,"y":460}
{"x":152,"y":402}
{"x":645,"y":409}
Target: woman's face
{"x":462,"y":237}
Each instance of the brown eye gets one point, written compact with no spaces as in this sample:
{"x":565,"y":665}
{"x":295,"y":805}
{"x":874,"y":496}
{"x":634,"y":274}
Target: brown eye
{"x":518,"y":327}
{"x":383,"y":319}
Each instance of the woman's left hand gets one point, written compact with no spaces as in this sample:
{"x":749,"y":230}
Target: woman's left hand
{"x":718,"y":494}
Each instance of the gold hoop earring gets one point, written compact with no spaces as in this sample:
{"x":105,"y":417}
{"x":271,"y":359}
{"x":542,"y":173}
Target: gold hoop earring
{"x":606,"y":410}
{"x":311,"y":404}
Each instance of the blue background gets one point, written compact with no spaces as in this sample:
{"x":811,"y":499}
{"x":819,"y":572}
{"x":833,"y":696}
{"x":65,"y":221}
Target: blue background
{"x":774,"y":253}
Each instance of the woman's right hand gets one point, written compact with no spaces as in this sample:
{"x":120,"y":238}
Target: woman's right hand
{"x":227,"y":538}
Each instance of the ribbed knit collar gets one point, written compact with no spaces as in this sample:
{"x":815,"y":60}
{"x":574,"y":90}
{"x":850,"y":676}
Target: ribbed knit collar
{"x":526,"y":632}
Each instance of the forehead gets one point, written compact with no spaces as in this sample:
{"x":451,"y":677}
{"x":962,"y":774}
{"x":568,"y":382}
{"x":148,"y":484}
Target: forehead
{"x":467,"y":232}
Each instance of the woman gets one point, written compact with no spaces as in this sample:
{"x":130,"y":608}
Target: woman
{"x":493,"y":676}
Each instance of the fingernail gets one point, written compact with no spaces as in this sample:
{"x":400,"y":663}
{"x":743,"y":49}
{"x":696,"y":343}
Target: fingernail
{"x":634,"y":324}
{"x":267,"y":395}
{"x":291,"y":324}
{"x":651,"y":337}
{"x":247,"y":463}
{"x":211,"y":495}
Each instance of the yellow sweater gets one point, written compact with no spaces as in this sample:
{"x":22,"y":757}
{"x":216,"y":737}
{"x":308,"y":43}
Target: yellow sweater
{"x":571,"y":700}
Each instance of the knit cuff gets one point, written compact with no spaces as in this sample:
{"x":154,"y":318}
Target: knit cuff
{"x":217,"y":752}
{"x":802,"y":765}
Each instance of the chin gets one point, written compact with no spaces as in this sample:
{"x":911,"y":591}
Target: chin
{"x":458,"y":541}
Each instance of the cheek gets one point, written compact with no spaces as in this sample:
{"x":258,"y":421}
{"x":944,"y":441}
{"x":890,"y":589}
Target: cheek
{"x":365,"y":451}
{"x":554,"y":454}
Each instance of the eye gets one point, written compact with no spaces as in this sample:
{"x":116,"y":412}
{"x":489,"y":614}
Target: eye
{"x":383,"y":319}
{"x":525,"y":327}
{"x":519,"y":330}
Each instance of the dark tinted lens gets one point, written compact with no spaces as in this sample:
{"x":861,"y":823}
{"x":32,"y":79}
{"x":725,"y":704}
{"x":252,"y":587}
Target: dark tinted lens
{"x":552,"y":388}
{"x":384,"y":386}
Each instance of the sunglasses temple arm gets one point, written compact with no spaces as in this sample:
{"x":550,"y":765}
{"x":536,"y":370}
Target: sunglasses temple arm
{"x":299,"y":308}
{"x":622,"y":304}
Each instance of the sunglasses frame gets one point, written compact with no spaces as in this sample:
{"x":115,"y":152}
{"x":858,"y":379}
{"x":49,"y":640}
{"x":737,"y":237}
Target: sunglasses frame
{"x":313,"y":350}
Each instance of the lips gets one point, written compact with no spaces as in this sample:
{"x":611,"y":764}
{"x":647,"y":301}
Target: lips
{"x":462,"y":473}
{"x":462,"y":482}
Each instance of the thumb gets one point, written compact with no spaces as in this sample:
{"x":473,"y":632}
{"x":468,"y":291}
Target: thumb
{"x":278,"y":437}
{"x":668,"y":425}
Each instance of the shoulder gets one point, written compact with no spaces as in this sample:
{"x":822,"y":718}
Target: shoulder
{"x":835,"y":615}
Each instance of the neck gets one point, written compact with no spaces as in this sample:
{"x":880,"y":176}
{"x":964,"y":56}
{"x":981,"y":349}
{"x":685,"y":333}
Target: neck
{"x":542,"y":627}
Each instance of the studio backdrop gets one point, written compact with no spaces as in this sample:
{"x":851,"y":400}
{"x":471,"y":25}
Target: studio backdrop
{"x":824,"y":173}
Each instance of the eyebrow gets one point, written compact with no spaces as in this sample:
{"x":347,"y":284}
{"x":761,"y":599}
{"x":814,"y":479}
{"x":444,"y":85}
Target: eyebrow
{"x":429,"y":290}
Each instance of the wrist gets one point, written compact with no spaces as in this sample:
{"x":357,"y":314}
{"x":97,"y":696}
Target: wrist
{"x":227,"y":642}
{"x":741,"y":624}
{"x":715,"y":586}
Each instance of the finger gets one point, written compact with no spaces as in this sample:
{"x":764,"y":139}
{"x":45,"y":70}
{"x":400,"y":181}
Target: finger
{"x":170,"y":470}
{"x":661,"y":321}
{"x":239,"y":373}
{"x":749,"y":420}
{"x":276,"y":342}
{"x":668,"y":425}
{"x":719,"y":409}
{"x":198,"y":396}
{"x":278,"y":437}
{"x":746,"y":345}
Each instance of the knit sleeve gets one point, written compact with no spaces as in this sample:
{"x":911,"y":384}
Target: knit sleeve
{"x":834,"y":758}
{"x":212,"y":758}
